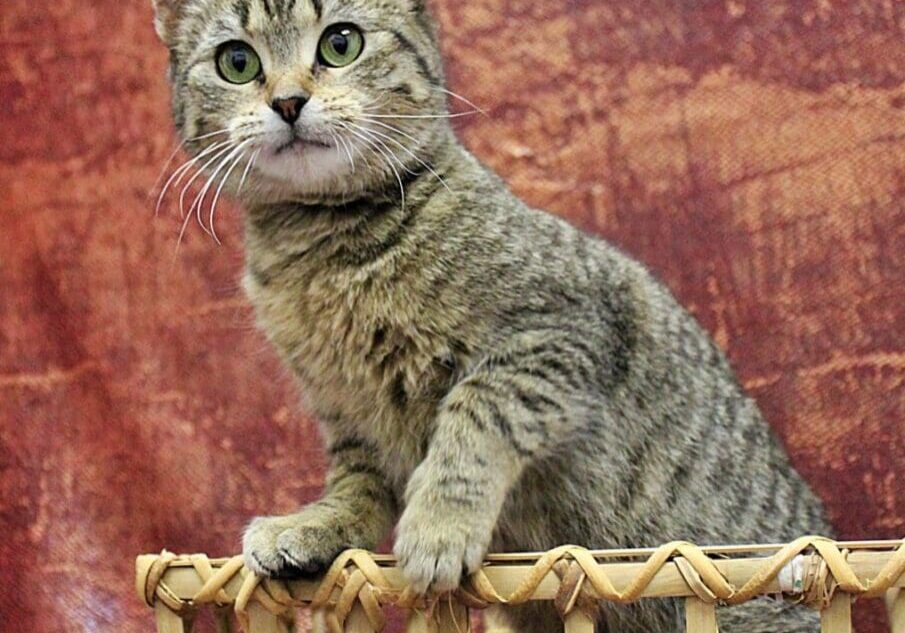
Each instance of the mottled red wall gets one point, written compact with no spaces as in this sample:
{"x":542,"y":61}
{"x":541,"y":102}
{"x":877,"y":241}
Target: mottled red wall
{"x":752,"y":153}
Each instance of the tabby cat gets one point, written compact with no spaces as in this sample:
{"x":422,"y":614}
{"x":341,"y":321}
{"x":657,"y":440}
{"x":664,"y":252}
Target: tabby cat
{"x":484,"y":373}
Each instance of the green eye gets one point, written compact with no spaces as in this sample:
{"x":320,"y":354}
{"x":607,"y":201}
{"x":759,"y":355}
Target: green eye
{"x":340,"y":45}
{"x":238,"y":63}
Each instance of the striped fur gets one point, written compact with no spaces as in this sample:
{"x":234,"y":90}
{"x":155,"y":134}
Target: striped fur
{"x":485,"y":374}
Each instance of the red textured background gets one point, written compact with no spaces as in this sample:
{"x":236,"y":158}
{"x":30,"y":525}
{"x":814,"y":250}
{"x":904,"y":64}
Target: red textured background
{"x":752,"y":153}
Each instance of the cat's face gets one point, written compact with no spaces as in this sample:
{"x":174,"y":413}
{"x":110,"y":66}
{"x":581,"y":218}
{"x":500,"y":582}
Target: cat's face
{"x":305,"y":98}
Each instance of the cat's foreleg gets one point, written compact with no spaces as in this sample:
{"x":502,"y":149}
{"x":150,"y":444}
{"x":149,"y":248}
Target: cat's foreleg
{"x":356,"y":511}
{"x":492,"y":424}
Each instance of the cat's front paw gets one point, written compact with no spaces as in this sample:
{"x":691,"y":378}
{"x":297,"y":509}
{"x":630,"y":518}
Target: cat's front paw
{"x":290,"y":546}
{"x":436,"y":546}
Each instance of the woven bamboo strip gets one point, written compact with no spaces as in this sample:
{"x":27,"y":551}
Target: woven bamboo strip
{"x":895,"y":604}
{"x":700,"y":616}
{"x":357,"y":621}
{"x":579,"y":622}
{"x":837,"y":618}
{"x":263,"y":621}
{"x":170,"y":622}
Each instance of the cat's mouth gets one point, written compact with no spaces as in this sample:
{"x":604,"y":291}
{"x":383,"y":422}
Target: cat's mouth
{"x":300,"y":144}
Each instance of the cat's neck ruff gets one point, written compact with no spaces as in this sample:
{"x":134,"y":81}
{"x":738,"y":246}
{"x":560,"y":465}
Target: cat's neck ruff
{"x":354,"y":223}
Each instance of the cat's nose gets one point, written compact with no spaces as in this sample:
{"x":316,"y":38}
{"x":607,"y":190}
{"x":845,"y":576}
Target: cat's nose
{"x":289,"y":108}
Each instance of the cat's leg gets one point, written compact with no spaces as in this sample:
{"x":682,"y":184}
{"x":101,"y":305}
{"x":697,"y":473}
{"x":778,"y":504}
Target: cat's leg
{"x":356,"y":511}
{"x":503,"y":416}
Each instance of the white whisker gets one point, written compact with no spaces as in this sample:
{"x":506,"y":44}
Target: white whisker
{"x":373,"y":143}
{"x":185,"y":223}
{"x":357,"y":150}
{"x":251,"y":162}
{"x":220,"y":189}
{"x":422,"y":116}
{"x":410,"y":153}
{"x":200,"y":197}
{"x":391,"y":127}
{"x":183,"y":169}
{"x":462,"y":99}
{"x":166,"y":166}
{"x":217,"y":155}
{"x":345,"y":145}
{"x":208,"y":135}
{"x":198,"y":204}
{"x":369,"y":133}
{"x":176,"y":151}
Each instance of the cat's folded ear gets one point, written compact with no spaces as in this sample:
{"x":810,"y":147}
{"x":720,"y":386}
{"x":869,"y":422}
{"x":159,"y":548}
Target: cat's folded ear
{"x":166,"y":18}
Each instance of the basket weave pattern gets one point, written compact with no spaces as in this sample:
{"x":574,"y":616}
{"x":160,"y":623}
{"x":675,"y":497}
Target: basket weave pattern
{"x":815,"y":571}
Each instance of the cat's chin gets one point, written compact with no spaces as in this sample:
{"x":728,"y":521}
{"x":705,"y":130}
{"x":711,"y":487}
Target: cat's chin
{"x":301,"y":147}
{"x":303,"y":166}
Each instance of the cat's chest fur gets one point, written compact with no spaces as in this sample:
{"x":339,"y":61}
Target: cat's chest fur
{"x":373,"y":360}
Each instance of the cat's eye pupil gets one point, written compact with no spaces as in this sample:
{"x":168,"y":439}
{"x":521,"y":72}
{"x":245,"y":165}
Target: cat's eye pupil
{"x":340,"y":43}
{"x":239,"y":60}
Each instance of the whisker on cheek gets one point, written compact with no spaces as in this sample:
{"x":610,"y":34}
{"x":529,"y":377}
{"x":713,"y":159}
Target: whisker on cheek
{"x":339,"y":141}
{"x":176,"y":151}
{"x":384,"y":151}
{"x":455,"y":115}
{"x":248,"y":168}
{"x":163,"y":171}
{"x":220,"y":189}
{"x":198,"y":204}
{"x":455,"y":95}
{"x":178,"y":175}
{"x":217,"y":155}
{"x":405,"y":149}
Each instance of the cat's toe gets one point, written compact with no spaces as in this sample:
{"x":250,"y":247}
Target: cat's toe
{"x":431,"y":571}
{"x":433,"y":562}
{"x":259,"y":547}
{"x":436,"y":546}
{"x":298,"y":568}
{"x":309,"y":550}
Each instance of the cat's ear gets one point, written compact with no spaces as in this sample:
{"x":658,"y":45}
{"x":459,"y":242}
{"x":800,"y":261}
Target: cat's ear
{"x":166,"y":16}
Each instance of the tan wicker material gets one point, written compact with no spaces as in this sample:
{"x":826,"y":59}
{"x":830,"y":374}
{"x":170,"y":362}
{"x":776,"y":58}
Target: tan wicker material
{"x":837,"y":616}
{"x":700,"y":616}
{"x":352,"y":593}
{"x":895,"y":604}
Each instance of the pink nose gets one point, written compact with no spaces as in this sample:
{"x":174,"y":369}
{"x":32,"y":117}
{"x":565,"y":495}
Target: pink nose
{"x":289,"y":108}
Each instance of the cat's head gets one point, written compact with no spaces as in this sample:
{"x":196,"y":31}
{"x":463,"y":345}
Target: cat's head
{"x":330,"y":98}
